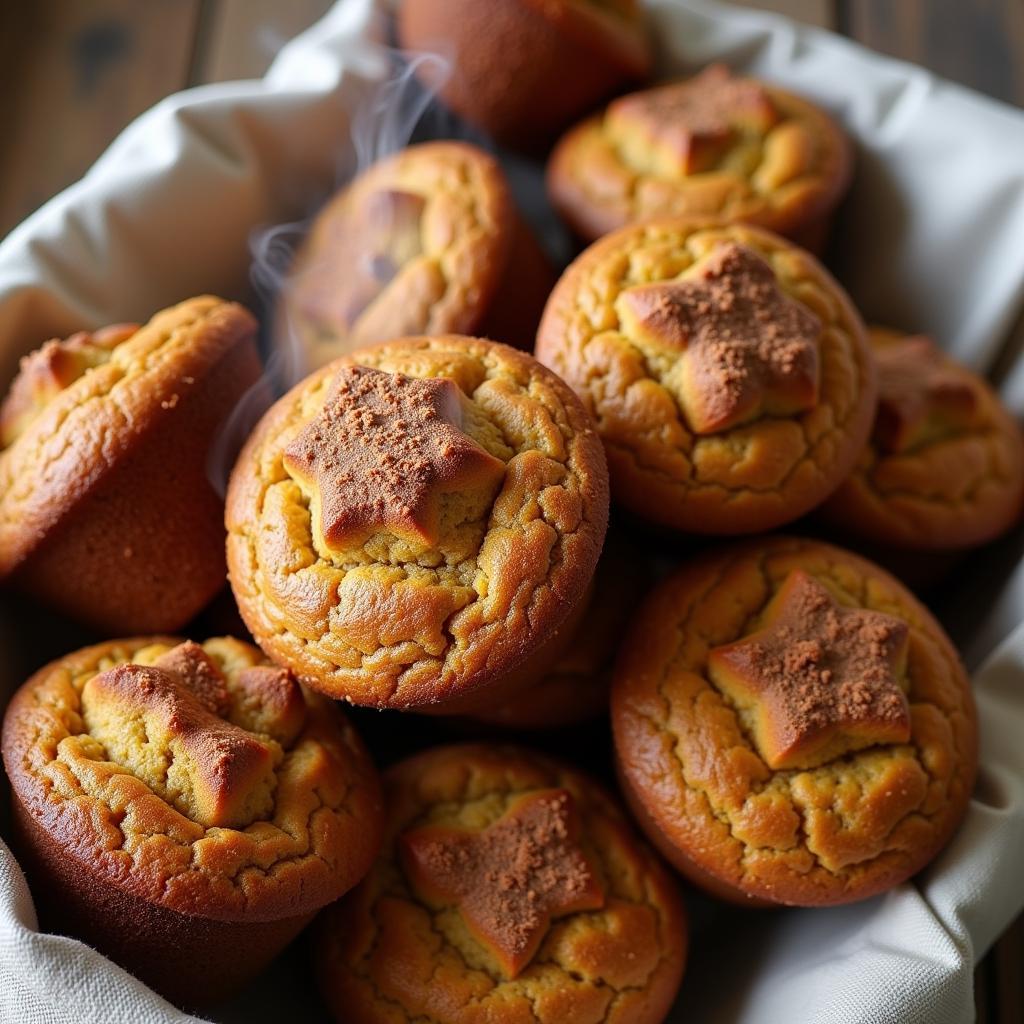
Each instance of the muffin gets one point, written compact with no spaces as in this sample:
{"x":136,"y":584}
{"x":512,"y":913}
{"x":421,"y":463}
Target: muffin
{"x":522,"y":70}
{"x":575,"y":688}
{"x":713,"y":145}
{"x":792,"y":726}
{"x":185,"y":808}
{"x":107,"y":511}
{"x":509,"y":888}
{"x":417,"y":525}
{"x":944,"y":467}
{"x":729,"y":374}
{"x":426,"y":241}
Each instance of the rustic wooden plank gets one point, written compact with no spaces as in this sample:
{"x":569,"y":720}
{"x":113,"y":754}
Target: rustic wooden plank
{"x":1008,"y":959}
{"x":813,"y":12}
{"x":984,"y":985}
{"x":980,"y":44}
{"x":241,"y":37}
{"x":83,"y":70}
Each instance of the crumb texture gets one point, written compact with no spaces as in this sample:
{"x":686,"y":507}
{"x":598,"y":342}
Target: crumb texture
{"x":836,"y":831}
{"x":389,"y":954}
{"x":196,"y":777}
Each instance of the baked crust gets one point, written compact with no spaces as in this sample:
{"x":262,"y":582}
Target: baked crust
{"x":575,"y":688}
{"x":387,"y":624}
{"x":955,"y":490}
{"x":524,"y":69}
{"x":787,"y":175}
{"x":91,"y":519}
{"x":751,"y":477}
{"x":838,"y":832}
{"x":316,"y":842}
{"x":387,"y":955}
{"x":426,"y":241}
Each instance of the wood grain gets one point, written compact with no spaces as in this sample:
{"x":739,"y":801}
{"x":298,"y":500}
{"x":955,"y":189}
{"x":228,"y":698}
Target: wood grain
{"x":241,"y":37}
{"x":812,"y":12}
{"x":81,"y":71}
{"x":1007,"y":964}
{"x":979,"y":43}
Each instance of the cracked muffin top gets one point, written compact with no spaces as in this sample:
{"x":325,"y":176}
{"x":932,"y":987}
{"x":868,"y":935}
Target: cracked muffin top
{"x":792,"y":726}
{"x":712,"y":145}
{"x":108,"y":506}
{"x":417,"y":243}
{"x":509,"y":887}
{"x":944,"y":467}
{"x":727,"y":371}
{"x":410,"y":525}
{"x":81,"y":407}
{"x":196,"y":777}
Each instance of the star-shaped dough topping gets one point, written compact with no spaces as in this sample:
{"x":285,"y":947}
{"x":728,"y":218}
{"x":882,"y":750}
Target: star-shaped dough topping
{"x":153,"y":723}
{"x":743,"y":347}
{"x":683,"y":128}
{"x":383,"y":455}
{"x":922,"y":397}
{"x":818,"y":679}
{"x":511,"y":879}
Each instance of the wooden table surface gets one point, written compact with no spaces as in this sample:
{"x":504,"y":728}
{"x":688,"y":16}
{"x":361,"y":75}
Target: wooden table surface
{"x":73,"y":73}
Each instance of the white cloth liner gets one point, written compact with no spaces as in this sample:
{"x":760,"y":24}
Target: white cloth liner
{"x":929,"y":239}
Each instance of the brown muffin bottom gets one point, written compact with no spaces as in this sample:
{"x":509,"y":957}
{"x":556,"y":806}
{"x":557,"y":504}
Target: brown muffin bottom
{"x":142,"y":551}
{"x":191,"y":961}
{"x":524,"y":69}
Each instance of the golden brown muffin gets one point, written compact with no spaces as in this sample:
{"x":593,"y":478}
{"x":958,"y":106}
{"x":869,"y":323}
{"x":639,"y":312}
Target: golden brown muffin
{"x":509,"y":888}
{"x":944,"y":468}
{"x":713,"y":145}
{"x":792,"y":726}
{"x":427,"y":241}
{"x":184,"y":808}
{"x":728,"y":372}
{"x":418,"y":523}
{"x":522,"y":70}
{"x":107,"y":511}
{"x":575,"y":687}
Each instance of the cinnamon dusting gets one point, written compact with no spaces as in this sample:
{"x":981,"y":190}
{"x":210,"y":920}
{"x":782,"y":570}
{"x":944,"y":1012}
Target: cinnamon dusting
{"x":684,"y":126}
{"x":383,"y":452}
{"x":747,"y":348}
{"x":820,"y":679}
{"x":512,"y":878}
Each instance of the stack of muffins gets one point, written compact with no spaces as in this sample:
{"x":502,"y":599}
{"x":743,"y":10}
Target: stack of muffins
{"x":421,"y":525}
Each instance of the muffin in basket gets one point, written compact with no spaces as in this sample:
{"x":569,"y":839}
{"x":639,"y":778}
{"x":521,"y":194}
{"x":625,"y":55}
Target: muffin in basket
{"x":729,"y":374}
{"x":509,"y":888}
{"x":792,"y":726}
{"x":107,"y":511}
{"x":522,"y":70}
{"x":713,"y":145}
{"x":418,"y":525}
{"x":185,"y":808}
{"x":944,"y":468}
{"x":426,"y":241}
